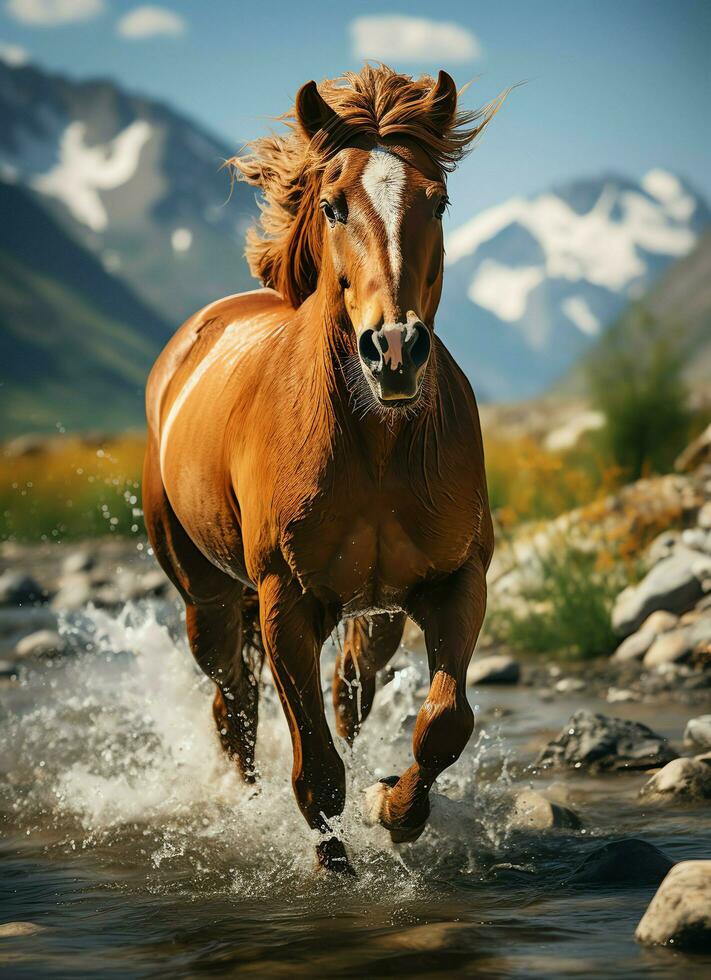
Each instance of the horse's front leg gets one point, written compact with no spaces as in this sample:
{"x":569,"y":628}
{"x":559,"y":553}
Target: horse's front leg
{"x":294,"y":627}
{"x":451,"y":615}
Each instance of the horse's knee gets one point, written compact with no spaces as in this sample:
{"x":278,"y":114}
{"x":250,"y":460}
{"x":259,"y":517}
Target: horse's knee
{"x":444,"y":725}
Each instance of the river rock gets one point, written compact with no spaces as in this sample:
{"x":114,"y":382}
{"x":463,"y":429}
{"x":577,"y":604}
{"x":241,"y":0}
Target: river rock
{"x":569,"y":685}
{"x":597,"y":742}
{"x":623,"y":862}
{"x":674,"y":584}
{"x":687,"y":778}
{"x":75,"y":591}
{"x":698,"y":732}
{"x":17,"y":589}
{"x":8,"y":669}
{"x":78,"y":561}
{"x":669,"y":648}
{"x":9,"y":930}
{"x":532,"y":811}
{"x":679,"y":915}
{"x":662,"y":546}
{"x":704,"y":518}
{"x":42,"y":643}
{"x":499,"y":669}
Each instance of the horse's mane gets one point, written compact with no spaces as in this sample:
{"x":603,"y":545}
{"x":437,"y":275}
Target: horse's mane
{"x":375,"y":102}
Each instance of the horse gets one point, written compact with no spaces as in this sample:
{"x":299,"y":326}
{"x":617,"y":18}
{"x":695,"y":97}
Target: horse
{"x":314,"y":453}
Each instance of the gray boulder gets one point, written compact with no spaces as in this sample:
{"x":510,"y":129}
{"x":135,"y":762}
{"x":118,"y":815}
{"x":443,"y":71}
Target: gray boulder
{"x":623,"y":862}
{"x":532,"y":811}
{"x":674,"y":584}
{"x":498,"y":669}
{"x":597,"y":742}
{"x":679,"y":915}
{"x":688,"y":779}
{"x":698,"y":732}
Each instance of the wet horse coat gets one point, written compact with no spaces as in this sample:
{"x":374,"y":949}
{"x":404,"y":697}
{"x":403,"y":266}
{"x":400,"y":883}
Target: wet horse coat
{"x":314,"y":451}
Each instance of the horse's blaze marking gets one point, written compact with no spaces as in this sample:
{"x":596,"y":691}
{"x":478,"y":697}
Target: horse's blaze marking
{"x":383,"y":180}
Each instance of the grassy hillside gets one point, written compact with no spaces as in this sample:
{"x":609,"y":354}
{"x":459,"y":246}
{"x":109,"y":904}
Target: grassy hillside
{"x":75,"y":343}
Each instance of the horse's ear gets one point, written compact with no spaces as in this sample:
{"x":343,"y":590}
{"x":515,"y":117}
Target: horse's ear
{"x":312,"y":111}
{"x":444,"y":100}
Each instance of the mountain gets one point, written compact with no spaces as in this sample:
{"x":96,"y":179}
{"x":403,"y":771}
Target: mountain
{"x":75,"y":343}
{"x":678,"y":308}
{"x":532,"y":283}
{"x":137,"y":184}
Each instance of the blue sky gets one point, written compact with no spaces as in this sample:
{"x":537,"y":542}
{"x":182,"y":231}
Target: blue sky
{"x":611,"y":86}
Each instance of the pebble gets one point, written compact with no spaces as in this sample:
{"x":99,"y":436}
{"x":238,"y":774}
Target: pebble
{"x":687,"y":778}
{"x":499,"y":669}
{"x":679,"y":915}
{"x":569,"y":685}
{"x":704,"y":518}
{"x":623,"y":862}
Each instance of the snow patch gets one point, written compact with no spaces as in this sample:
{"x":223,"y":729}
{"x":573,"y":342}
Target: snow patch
{"x":504,"y":289}
{"x":596,"y":246}
{"x":13,"y":55}
{"x":181,"y":239}
{"x":83,"y":171}
{"x":668,"y":189}
{"x":577,"y":310}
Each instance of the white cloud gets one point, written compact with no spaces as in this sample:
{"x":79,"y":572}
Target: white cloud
{"x":394,"y":37}
{"x":13,"y":55}
{"x":149,"y":22}
{"x":48,"y":13}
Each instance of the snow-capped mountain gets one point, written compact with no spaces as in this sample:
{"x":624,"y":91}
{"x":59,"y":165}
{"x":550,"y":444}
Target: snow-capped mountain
{"x":531,"y":283}
{"x":139,"y":185}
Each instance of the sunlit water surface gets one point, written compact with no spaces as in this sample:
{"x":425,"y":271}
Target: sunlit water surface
{"x":130,"y":839}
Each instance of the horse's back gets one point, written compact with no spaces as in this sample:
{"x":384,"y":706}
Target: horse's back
{"x":245,"y":317}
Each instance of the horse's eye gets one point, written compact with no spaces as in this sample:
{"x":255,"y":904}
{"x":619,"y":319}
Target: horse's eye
{"x":441,"y":207}
{"x":328,"y":210}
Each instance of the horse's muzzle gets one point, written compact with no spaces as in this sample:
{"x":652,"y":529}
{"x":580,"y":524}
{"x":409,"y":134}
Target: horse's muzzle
{"x":394,"y":360}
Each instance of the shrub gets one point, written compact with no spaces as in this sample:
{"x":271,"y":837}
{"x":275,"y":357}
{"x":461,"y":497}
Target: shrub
{"x":636,"y":381}
{"x":566,"y":607}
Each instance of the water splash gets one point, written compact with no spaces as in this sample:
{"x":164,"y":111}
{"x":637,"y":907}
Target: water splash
{"x":116,"y":748}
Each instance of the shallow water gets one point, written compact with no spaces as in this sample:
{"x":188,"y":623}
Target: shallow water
{"x":130,"y":839}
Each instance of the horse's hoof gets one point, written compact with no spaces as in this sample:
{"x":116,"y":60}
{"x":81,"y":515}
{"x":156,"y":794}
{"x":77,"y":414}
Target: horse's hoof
{"x":375,"y":809}
{"x":331,"y":854}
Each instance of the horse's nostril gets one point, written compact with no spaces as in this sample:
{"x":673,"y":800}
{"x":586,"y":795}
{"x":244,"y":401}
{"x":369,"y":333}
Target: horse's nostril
{"x":368,"y":349}
{"x":420,"y":350}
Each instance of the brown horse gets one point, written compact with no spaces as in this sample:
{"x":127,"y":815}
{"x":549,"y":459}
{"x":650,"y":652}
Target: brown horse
{"x":314,"y":451}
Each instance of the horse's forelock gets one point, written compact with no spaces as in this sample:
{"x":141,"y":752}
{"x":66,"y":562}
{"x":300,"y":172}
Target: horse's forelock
{"x":284,"y":252}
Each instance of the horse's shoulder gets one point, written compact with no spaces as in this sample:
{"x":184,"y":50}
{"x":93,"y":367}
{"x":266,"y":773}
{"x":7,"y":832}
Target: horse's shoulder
{"x":199,"y":335}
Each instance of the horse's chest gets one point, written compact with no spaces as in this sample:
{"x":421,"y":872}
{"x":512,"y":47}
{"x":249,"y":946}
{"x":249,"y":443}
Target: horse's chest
{"x":374,"y":557}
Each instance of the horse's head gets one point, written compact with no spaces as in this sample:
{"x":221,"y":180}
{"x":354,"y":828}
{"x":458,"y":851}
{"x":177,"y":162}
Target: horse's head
{"x":382,"y":202}
{"x":354,"y":203}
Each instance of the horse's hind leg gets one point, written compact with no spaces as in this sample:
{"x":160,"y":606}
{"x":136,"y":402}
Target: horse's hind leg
{"x":369,"y":643}
{"x":221,"y":618}
{"x":216,"y":631}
